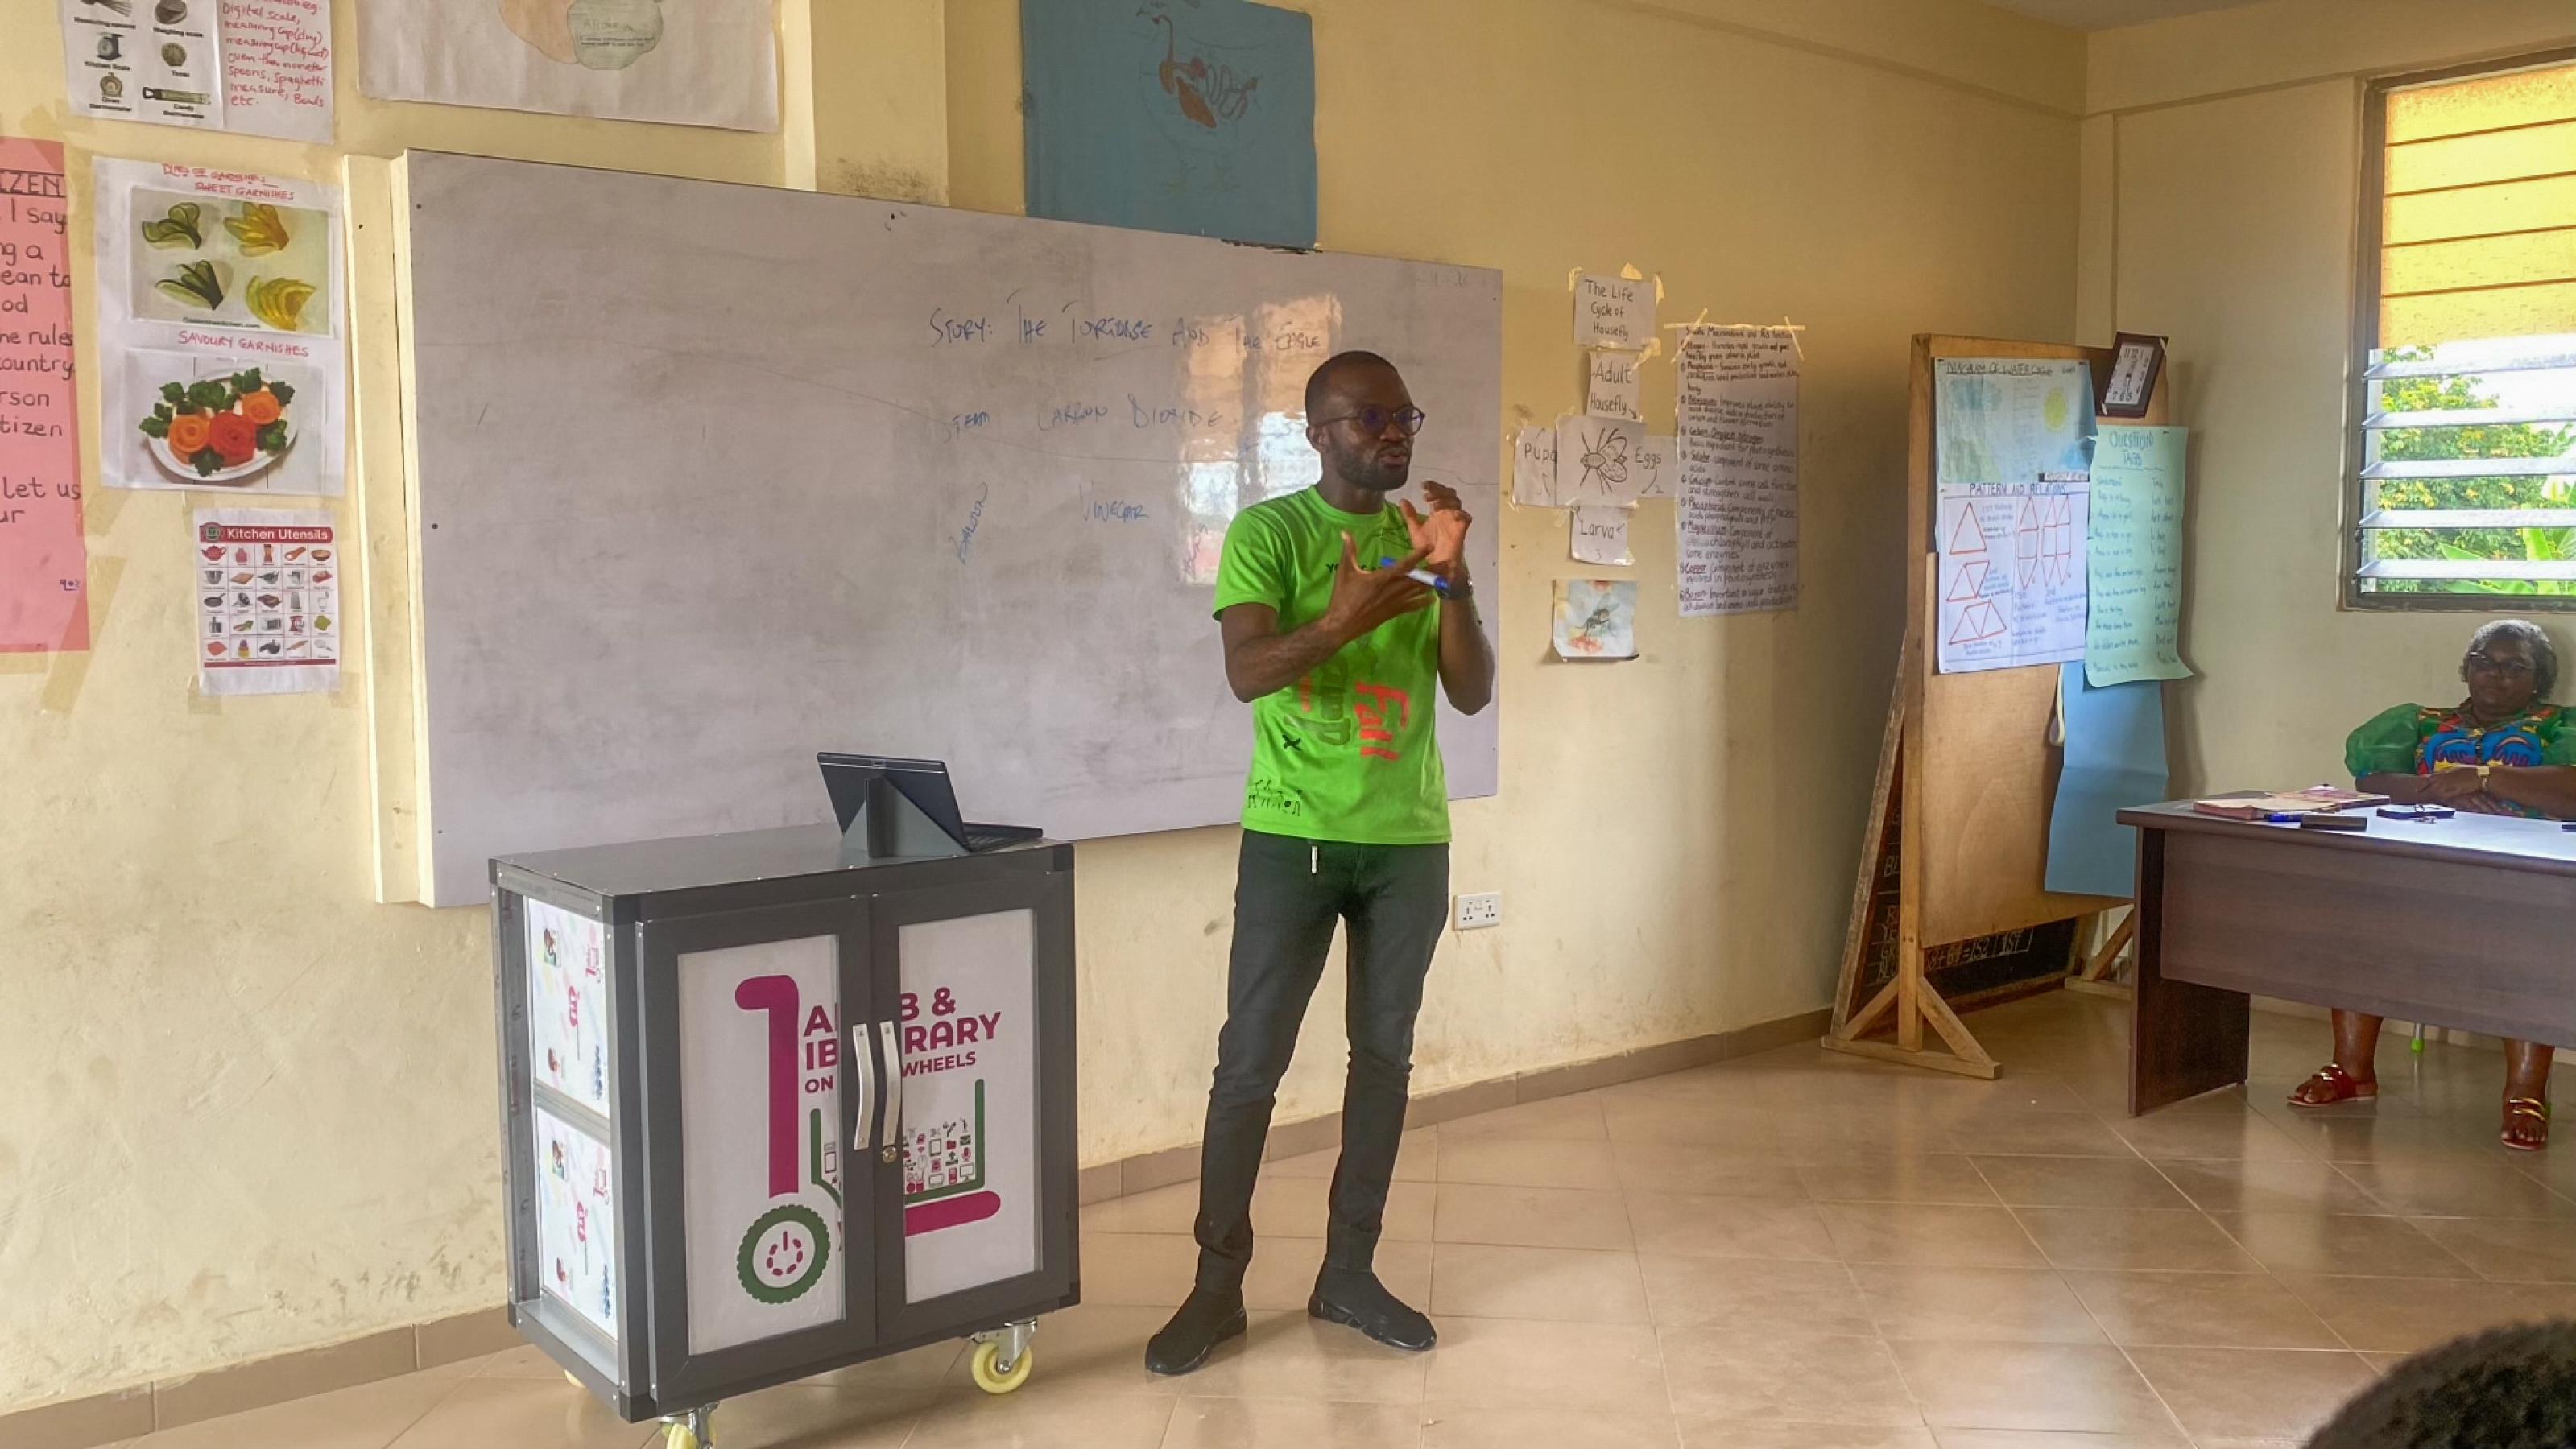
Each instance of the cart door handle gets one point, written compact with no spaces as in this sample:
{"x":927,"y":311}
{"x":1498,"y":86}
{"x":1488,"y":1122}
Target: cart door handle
{"x":867,"y":1072}
{"x":890,"y":1083}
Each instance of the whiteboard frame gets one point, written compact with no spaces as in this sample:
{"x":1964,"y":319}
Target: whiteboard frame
{"x":408,"y":858}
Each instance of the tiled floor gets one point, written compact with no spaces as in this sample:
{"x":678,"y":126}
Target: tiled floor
{"x":1796,"y":1251}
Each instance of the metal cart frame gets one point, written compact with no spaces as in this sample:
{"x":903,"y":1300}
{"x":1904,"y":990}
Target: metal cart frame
{"x":661,"y":901}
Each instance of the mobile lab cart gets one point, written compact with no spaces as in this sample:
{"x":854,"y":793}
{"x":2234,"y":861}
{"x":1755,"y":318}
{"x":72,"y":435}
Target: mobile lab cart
{"x":772,"y":1108}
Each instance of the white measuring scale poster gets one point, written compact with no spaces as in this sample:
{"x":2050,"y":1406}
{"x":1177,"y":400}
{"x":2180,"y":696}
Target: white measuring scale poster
{"x":760,"y":1059}
{"x":968,"y":1022}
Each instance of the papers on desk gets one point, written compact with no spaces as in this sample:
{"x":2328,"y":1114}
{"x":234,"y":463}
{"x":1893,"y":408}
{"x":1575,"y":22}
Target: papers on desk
{"x":2314,"y":799}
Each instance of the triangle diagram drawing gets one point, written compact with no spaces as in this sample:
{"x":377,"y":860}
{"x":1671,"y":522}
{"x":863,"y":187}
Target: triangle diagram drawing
{"x":1970,"y":582}
{"x":1978,"y":622}
{"x":1967,"y":535}
{"x":2026,"y":539}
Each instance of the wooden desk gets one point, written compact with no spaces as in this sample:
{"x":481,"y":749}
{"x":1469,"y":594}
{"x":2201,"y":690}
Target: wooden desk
{"x":2467,"y":922}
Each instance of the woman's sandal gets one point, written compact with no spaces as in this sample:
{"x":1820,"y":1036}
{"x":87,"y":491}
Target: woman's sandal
{"x":2339,"y":1086}
{"x":2530,"y":1112}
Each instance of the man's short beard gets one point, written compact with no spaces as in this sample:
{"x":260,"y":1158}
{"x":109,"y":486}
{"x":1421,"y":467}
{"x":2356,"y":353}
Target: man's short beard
{"x":1372,"y":475}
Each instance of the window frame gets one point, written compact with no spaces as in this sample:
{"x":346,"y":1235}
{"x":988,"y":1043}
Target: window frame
{"x":2372,"y":202}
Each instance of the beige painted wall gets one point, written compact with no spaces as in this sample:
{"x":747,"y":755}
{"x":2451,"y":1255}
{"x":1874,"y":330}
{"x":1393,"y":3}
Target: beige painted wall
{"x":2220,"y":206}
{"x":251,"y":1111}
{"x":247,"y":1109}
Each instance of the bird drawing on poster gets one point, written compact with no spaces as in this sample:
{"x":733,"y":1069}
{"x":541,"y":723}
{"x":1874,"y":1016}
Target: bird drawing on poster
{"x":1208,"y":92}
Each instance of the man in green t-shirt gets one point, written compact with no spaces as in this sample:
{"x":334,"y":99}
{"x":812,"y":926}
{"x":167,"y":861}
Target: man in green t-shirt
{"x":1337,"y":647}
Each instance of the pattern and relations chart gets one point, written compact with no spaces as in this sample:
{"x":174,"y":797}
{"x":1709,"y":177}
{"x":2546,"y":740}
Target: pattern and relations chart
{"x":2012,"y":579}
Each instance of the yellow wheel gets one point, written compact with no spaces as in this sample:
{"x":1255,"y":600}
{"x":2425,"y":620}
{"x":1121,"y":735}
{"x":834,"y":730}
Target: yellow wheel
{"x":677,"y":1436}
{"x":573,"y":1379}
{"x":987,"y":1368}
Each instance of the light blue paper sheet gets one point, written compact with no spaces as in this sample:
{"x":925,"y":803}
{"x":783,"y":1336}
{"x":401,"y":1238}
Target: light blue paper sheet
{"x":2115,"y":758}
{"x":1193,"y":116}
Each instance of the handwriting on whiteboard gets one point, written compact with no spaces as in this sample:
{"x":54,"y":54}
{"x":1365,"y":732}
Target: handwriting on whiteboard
{"x":953,"y":327}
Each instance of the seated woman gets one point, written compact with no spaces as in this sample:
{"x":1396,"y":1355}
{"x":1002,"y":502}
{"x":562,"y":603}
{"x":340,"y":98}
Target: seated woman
{"x":2503,"y":751}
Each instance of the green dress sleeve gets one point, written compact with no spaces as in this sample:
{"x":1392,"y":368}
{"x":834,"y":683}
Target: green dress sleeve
{"x":2386,"y":745}
{"x":2557,"y":740}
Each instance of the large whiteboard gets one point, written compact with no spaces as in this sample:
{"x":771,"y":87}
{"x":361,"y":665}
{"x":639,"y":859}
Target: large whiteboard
{"x":710,"y":478}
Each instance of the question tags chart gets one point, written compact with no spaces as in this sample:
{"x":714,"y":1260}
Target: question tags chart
{"x":2134,"y":546}
{"x":760,"y":1061}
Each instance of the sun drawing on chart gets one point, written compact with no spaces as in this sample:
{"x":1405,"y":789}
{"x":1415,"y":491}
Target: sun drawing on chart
{"x":1978,"y":618}
{"x":1605,"y":460}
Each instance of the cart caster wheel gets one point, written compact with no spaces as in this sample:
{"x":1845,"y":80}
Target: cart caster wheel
{"x":989,"y":1374}
{"x":573,"y":1379}
{"x":692,"y":1430}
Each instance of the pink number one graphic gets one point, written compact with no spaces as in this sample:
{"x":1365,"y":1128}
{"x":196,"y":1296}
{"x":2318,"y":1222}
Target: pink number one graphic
{"x":778,"y":996}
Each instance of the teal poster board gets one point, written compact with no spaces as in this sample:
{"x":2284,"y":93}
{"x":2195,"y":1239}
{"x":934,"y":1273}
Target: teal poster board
{"x":1194,"y":116}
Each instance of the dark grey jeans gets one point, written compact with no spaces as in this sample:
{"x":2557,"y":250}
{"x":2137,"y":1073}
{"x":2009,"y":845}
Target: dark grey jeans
{"x":1288,"y":895}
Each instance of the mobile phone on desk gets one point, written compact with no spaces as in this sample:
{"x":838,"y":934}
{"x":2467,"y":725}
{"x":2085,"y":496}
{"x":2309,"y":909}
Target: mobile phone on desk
{"x":2417,"y":812}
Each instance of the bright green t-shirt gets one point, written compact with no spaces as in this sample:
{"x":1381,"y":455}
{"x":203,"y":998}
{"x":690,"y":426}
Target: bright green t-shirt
{"x":1346,"y":754}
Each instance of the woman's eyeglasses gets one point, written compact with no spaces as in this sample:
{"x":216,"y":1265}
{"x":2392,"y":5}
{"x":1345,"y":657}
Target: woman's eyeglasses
{"x":1373,"y":421}
{"x":2509,"y":668}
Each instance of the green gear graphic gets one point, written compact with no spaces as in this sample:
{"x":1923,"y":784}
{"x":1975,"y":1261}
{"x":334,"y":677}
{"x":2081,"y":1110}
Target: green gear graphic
{"x":745,"y":1268}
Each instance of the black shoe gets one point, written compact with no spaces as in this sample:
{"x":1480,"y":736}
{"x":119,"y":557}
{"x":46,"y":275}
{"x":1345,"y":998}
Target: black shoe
{"x":1355,"y":1297}
{"x":1208,"y":1318}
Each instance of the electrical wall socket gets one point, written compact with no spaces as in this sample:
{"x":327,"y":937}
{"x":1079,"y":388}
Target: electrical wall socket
{"x":1476,"y":913}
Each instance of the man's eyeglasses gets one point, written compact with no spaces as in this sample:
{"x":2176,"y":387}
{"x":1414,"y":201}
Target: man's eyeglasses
{"x":1373,"y":421}
{"x":2509,"y":668}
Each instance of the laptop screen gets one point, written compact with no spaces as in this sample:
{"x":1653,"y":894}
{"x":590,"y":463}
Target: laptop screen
{"x":923,"y":782}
